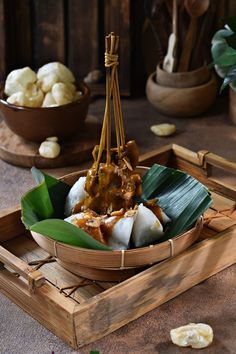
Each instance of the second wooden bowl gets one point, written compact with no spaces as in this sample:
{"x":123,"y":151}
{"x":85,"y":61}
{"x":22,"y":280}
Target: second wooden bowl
{"x":186,"y":79}
{"x":181,"y":102}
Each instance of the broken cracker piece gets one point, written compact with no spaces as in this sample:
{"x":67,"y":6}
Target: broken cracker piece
{"x":164,"y":129}
{"x":195,"y":335}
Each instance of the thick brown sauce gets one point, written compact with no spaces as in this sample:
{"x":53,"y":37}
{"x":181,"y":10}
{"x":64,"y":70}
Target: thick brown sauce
{"x":113,"y":186}
{"x":95,"y":232}
{"x":151,"y":204}
{"x":104,"y":231}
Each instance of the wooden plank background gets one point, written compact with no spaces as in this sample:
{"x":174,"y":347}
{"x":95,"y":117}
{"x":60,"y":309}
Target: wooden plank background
{"x":48,"y":31}
{"x":114,"y":12}
{"x":70,"y":31}
{"x":34,"y":32}
{"x":17,"y":34}
{"x":83,"y":36}
{"x":2,"y":41}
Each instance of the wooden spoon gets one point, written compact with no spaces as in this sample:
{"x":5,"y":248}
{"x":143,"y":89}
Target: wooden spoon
{"x":201,"y":52}
{"x":169,"y":62}
{"x":195,"y":9}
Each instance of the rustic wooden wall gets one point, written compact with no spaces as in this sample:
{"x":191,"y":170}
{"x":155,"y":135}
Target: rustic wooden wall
{"x":34,"y":32}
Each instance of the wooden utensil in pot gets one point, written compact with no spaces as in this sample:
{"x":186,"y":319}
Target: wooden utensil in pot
{"x":201,"y":53}
{"x":195,"y":9}
{"x":169,"y":63}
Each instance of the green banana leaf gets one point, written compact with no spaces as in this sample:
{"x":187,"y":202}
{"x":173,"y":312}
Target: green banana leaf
{"x":44,"y":201}
{"x":42,"y":211}
{"x":182,"y":197}
{"x":63,"y":231}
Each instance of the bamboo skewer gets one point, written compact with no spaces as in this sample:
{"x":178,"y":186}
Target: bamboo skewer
{"x":112,"y":92}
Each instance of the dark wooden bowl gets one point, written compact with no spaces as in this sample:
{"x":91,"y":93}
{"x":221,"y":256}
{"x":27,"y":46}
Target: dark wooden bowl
{"x":37,"y":124}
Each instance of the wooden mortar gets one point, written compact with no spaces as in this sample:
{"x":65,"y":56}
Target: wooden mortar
{"x":192,"y":78}
{"x":181,"y":102}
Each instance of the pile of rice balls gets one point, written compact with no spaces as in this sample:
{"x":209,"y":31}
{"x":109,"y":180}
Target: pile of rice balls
{"x":53,"y":85}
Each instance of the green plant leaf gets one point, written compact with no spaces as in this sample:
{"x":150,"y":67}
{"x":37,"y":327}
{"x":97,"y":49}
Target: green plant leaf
{"x":219,"y":43}
{"x":218,"y":49}
{"x":182,"y":197}
{"x":230,"y":77}
{"x":221,"y":35}
{"x":63,"y":231}
{"x":228,"y":58}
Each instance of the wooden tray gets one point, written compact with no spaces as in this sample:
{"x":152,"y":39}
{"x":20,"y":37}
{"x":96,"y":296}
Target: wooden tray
{"x":81,"y":311}
{"x":19,"y":152}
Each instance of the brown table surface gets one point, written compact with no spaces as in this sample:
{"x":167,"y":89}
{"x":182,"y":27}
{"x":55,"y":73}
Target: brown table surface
{"x":213,"y":301}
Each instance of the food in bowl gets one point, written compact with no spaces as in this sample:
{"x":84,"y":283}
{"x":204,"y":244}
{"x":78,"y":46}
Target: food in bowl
{"x":38,"y":123}
{"x":112,"y":207}
{"x":104,"y":202}
{"x":53,"y":85}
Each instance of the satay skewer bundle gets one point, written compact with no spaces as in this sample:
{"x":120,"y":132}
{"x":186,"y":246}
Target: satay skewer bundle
{"x":112,"y":183}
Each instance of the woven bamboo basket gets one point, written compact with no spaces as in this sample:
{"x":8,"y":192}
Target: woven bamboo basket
{"x":114,"y":265}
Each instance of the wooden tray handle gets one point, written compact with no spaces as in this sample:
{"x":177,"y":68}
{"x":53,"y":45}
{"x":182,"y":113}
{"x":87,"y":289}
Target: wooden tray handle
{"x":34,"y":277}
{"x":217,"y":161}
{"x":208,"y":159}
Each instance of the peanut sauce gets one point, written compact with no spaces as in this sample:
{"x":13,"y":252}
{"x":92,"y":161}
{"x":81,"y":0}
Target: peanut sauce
{"x":91,"y":223}
{"x":152,"y":205}
{"x":115,"y":185}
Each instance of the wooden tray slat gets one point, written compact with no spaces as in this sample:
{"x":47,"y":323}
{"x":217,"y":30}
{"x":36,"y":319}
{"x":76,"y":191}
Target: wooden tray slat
{"x":29,"y":251}
{"x":47,"y":305}
{"x":221,"y":203}
{"x":153,"y":287}
{"x":99,"y":308}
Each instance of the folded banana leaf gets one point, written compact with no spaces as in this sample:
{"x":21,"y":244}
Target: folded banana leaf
{"x":183,"y":199}
{"x":42,"y":211}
